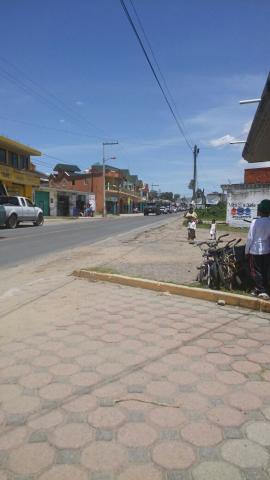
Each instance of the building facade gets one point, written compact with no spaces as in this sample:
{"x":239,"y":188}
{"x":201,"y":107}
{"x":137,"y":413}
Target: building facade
{"x":123,"y":192}
{"x":17,"y":172}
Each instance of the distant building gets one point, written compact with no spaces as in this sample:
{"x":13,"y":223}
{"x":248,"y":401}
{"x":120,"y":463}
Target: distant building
{"x":214,"y":198}
{"x":124,"y":192}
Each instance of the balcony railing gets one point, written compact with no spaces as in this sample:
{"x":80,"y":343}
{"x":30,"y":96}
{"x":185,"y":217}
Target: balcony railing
{"x":124,"y":190}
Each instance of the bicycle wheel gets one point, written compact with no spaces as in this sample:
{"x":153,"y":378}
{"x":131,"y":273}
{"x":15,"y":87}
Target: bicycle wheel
{"x":202,"y":275}
{"x":215,"y":280}
{"x":221,"y":274}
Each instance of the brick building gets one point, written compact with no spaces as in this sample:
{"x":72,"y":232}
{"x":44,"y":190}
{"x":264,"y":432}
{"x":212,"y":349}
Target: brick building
{"x":124,"y":192}
{"x":257,"y":175}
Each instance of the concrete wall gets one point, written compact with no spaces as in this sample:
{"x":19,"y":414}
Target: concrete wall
{"x":242,"y":203}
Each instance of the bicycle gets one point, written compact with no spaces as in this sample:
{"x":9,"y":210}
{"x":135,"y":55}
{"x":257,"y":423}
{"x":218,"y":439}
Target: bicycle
{"x":209,"y":269}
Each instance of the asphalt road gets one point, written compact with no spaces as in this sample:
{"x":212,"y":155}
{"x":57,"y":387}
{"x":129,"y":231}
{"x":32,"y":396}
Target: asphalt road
{"x":27,"y":242}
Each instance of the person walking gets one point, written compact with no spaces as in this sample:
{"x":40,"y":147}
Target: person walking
{"x":191,"y":217}
{"x":258,"y":250}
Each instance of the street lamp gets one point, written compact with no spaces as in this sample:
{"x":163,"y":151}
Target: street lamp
{"x":252,"y":100}
{"x":103,"y":173}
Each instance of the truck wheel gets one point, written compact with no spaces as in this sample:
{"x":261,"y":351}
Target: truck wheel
{"x":12,"y":221}
{"x":39,"y":221}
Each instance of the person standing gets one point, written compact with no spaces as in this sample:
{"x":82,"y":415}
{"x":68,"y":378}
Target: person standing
{"x":213,"y":230}
{"x":258,"y":250}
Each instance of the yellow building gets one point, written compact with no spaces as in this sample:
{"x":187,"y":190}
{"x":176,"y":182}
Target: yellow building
{"x":17,"y":173}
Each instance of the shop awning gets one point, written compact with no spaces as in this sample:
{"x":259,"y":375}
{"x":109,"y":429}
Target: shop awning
{"x":257,"y":147}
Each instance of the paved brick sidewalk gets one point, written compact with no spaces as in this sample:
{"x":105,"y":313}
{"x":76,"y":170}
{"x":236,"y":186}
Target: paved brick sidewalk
{"x":121,"y":383}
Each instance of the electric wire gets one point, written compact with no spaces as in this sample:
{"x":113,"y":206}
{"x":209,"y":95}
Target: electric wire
{"x":48,"y":97}
{"x":159,"y":69}
{"x":45,"y":127}
{"x":180,"y":128}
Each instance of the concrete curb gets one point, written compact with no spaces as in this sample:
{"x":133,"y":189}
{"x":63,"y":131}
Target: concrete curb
{"x":193,"y":292}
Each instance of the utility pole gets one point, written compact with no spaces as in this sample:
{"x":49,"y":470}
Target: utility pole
{"x":104,"y":174}
{"x":195,"y":154}
{"x":153,"y":185}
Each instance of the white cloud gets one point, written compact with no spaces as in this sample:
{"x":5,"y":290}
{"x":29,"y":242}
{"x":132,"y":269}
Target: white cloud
{"x":62,"y":120}
{"x":221,"y":141}
{"x":242,"y":162}
{"x":79,"y":103}
{"x":246,"y":127}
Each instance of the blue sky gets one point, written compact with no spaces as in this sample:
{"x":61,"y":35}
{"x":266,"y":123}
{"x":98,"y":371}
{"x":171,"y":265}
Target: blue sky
{"x":212,"y":54}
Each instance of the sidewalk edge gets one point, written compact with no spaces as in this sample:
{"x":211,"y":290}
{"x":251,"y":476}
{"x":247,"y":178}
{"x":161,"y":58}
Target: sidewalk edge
{"x":193,"y":292}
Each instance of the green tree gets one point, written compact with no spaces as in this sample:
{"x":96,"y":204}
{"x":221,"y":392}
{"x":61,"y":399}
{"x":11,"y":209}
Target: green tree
{"x":167,"y":196}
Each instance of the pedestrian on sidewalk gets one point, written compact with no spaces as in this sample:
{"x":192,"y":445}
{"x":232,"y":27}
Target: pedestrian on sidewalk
{"x":213,"y":230}
{"x":191,"y":217}
{"x":192,"y":230}
{"x":258,"y":250}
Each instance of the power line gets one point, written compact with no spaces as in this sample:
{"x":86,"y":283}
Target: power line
{"x":48,"y":128}
{"x":49,"y":97}
{"x":155,"y":75}
{"x":159,"y":68}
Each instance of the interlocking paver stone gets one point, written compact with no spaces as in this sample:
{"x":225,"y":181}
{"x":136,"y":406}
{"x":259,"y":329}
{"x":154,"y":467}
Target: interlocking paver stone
{"x":103,"y":457}
{"x":226,"y":416}
{"x":13,"y":439}
{"x":244,"y":401}
{"x":55,"y":391}
{"x":259,"y":432}
{"x":167,"y":416}
{"x":61,"y":384}
{"x":106,"y":417}
{"x":64,"y":472}
{"x":30,"y":458}
{"x":245,"y":454}
{"x":21,"y":405}
{"x":139,"y":472}
{"x":136,"y":435}
{"x":216,"y":471}
{"x":173,"y":455}
{"x":72,"y":435}
{"x":201,"y":434}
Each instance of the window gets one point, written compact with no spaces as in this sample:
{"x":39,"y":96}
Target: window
{"x":73,"y":182}
{"x":9,"y":201}
{"x":2,"y":156}
{"x":13,"y":159}
{"x":23,"y":162}
{"x":23,"y":202}
{"x":29,"y":203}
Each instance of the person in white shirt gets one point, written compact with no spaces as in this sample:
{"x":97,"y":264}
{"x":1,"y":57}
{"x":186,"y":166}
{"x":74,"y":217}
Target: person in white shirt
{"x":213,"y":230}
{"x":258,"y":250}
{"x":192,"y":229}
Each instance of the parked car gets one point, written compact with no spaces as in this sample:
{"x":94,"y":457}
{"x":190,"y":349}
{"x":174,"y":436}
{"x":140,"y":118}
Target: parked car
{"x":163,"y":209}
{"x":15,"y":210}
{"x":152,"y":207}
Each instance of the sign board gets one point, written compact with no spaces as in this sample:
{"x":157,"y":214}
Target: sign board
{"x":239,"y":213}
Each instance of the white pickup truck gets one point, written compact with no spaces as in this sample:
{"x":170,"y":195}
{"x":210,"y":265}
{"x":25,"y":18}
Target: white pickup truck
{"x":14,"y":210}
